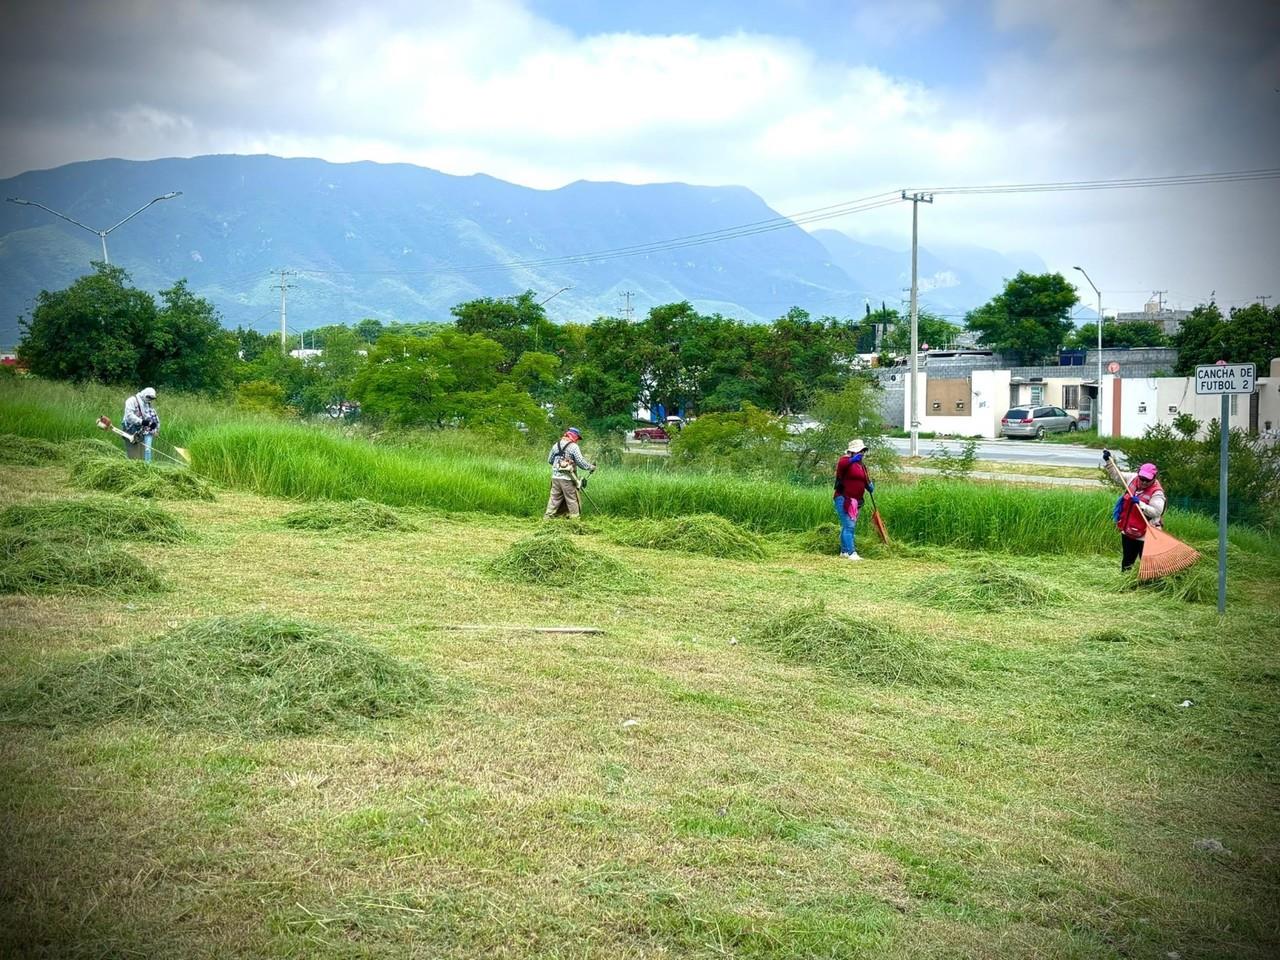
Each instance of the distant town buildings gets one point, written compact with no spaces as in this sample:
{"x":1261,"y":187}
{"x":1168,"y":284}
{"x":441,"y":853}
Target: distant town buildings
{"x":1154,"y":311}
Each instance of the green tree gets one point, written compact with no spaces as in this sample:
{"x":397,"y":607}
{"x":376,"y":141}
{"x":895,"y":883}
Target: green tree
{"x":335,"y":371}
{"x":369,"y":330}
{"x":750,"y":440}
{"x":252,"y":344}
{"x":1029,"y":320}
{"x":1254,"y":335}
{"x":99,"y":328}
{"x":798,"y":357}
{"x":189,"y":349}
{"x":1138,"y":333}
{"x":517,"y":323}
{"x":1202,"y":339}
{"x":930,"y":329}
{"x":853,"y":410}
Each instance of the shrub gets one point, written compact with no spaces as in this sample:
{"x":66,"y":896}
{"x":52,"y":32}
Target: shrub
{"x":955,"y":466}
{"x":251,"y":676}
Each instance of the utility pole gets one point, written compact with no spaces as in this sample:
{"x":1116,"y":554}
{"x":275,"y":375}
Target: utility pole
{"x":914,"y":427}
{"x":284,"y":285}
{"x":1263,"y":298}
{"x":626,"y":310}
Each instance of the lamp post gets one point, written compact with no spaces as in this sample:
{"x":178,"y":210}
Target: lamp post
{"x":1097,"y":413}
{"x":554,"y":295}
{"x":100,"y":234}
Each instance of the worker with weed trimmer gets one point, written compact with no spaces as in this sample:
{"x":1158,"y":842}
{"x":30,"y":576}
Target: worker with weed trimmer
{"x":142,"y":421}
{"x":566,"y":460}
{"x":852,"y":484}
{"x":1140,"y":506}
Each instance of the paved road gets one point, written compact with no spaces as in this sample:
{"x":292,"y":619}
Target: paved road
{"x":1013,"y":451}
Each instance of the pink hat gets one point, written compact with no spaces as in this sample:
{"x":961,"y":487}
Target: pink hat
{"x":1147,"y":471}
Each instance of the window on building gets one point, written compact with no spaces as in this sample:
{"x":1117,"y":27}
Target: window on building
{"x":1071,"y":397}
{"x":1037,"y":393}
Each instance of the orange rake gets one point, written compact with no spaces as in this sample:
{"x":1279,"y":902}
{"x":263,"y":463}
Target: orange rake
{"x":1163,"y":554}
{"x":877,"y":521}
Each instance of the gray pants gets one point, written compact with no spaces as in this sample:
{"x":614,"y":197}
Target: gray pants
{"x":563,"y":494}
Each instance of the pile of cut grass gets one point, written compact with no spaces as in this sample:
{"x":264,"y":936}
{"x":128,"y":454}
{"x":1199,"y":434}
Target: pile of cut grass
{"x":253,"y":676}
{"x":870,"y":650}
{"x":703,"y":533}
{"x":551,"y":558}
{"x":95,"y":518}
{"x":135,"y":478}
{"x":30,"y":563}
{"x":1197,"y":584}
{"x":27,"y":451}
{"x":88,"y":448}
{"x":987,"y":586}
{"x":353,"y":516}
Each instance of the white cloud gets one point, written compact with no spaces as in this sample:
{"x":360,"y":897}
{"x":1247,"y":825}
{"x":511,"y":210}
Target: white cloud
{"x":1120,"y":87}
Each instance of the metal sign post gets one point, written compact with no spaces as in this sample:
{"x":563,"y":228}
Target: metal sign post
{"x":1226,"y":380}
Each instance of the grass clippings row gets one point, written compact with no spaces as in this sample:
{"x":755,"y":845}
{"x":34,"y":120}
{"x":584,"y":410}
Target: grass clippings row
{"x":95,"y":518}
{"x":254,"y":676}
{"x":987,"y":586}
{"x":30,"y":564}
{"x":136,"y":478}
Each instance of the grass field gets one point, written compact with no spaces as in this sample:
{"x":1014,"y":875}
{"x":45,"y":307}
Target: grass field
{"x":323,"y":732}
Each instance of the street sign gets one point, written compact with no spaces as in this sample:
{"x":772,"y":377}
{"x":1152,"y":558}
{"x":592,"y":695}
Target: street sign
{"x":1226,"y":379}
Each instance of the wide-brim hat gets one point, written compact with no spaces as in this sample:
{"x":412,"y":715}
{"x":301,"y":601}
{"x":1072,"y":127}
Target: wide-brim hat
{"x":856,"y":446}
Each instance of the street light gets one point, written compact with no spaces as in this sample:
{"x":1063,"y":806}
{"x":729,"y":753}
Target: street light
{"x":1097,"y":413}
{"x":101,"y":234}
{"x":554,"y":295}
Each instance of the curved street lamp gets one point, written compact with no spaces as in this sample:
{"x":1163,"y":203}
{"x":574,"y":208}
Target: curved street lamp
{"x":100,"y":234}
{"x":1098,"y":403}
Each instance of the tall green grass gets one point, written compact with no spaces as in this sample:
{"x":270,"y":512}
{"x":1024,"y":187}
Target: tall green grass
{"x":309,"y":463}
{"x":50,"y":410}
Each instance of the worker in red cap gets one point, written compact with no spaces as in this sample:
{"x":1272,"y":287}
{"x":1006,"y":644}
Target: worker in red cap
{"x":1140,"y":506}
{"x":566,"y":460}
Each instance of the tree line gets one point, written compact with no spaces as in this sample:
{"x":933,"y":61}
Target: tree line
{"x":500,"y":361}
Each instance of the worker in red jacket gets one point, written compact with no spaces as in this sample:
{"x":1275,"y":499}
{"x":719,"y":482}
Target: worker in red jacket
{"x":852,"y":484}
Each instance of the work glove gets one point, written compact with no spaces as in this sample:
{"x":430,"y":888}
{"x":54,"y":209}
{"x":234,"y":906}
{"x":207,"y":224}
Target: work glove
{"x":1106,"y":455}
{"x":871,"y":485}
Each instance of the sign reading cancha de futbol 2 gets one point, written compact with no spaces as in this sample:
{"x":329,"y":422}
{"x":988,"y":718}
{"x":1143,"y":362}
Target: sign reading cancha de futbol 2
{"x":1226,"y":378}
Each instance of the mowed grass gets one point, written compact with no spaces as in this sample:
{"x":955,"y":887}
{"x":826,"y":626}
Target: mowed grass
{"x":667,"y":789}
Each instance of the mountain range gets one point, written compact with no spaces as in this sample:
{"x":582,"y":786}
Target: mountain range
{"x":400,"y":242}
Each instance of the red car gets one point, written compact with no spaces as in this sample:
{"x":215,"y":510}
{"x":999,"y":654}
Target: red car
{"x":645,"y":434}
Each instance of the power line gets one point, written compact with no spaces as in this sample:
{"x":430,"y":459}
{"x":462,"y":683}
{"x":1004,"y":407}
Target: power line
{"x":1125,"y":183}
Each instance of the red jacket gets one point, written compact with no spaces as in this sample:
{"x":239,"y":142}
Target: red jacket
{"x":851,"y":478}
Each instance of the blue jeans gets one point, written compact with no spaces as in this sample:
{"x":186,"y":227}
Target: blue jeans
{"x":847,"y":525}
{"x":146,"y":448}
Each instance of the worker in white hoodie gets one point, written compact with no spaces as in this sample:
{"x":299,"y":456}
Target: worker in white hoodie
{"x":140,"y":419}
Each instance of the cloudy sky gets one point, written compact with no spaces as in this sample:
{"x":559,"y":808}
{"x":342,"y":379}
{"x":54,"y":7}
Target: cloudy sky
{"x":806,"y":102}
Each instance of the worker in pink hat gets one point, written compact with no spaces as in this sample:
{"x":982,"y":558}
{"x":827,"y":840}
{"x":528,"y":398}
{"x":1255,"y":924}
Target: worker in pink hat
{"x":1140,"y":506}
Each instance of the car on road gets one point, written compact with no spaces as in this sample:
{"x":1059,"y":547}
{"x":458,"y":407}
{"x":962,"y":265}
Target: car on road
{"x":1036,"y":422}
{"x":651,"y":434}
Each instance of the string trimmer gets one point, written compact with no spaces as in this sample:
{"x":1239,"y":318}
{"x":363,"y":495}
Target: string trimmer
{"x":104,"y":423}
